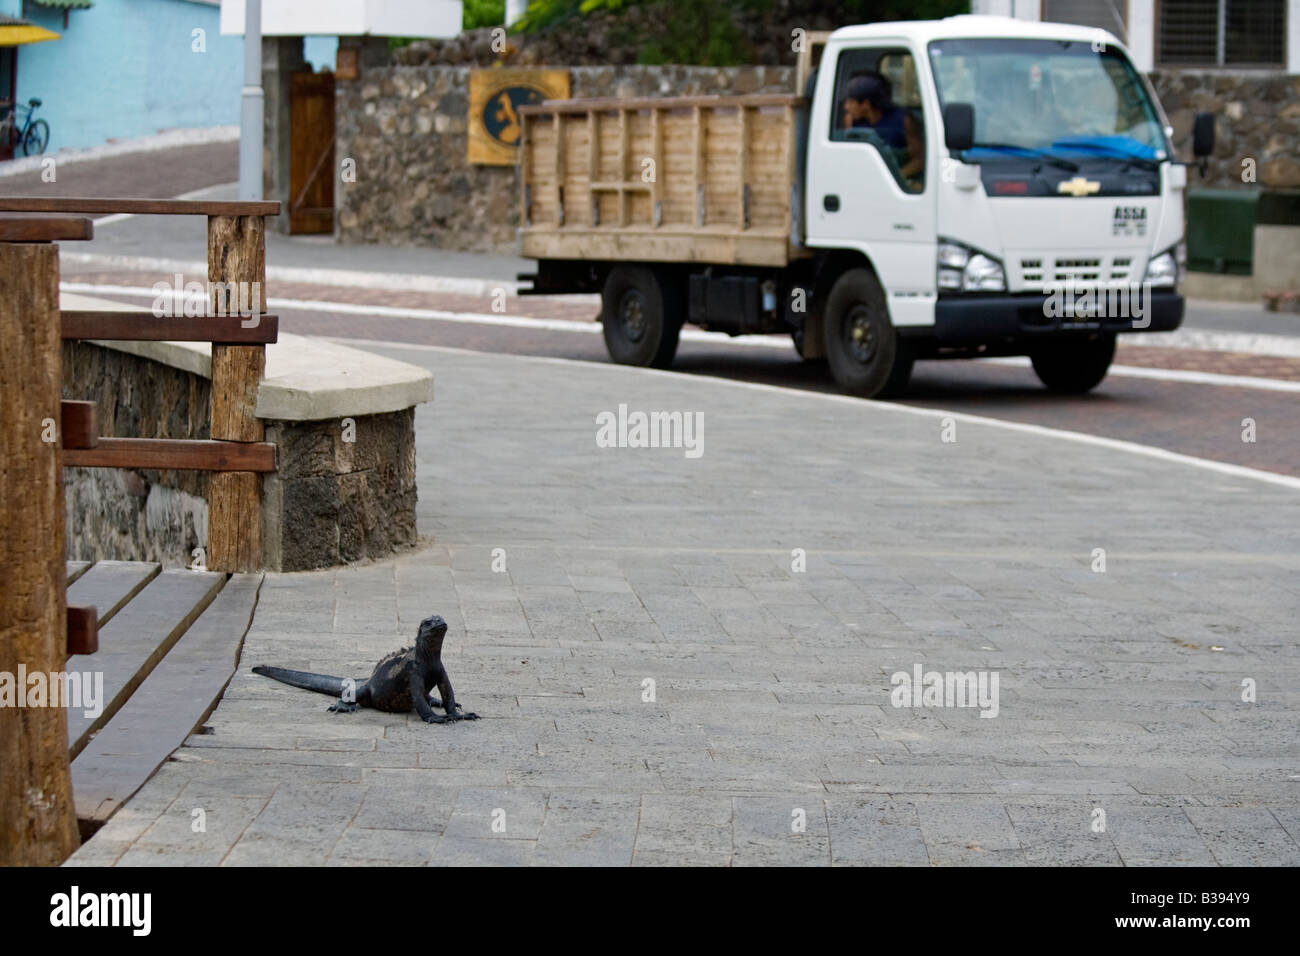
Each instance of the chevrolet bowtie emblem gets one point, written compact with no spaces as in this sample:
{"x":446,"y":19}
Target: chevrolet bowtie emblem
{"x":1078,"y":186}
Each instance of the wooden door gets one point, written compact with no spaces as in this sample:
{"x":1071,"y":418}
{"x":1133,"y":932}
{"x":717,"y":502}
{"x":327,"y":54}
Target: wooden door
{"x":311,"y":152}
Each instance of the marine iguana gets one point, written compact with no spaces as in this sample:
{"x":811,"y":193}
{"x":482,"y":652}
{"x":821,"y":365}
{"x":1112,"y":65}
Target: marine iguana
{"x":399,"y":683}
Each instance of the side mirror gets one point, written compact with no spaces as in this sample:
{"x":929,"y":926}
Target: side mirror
{"x":1203,"y":139}
{"x":958,"y":126}
{"x":1203,"y":135}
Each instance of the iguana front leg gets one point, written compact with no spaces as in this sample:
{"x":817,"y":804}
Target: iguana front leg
{"x":420,"y":698}
{"x":453,"y":710}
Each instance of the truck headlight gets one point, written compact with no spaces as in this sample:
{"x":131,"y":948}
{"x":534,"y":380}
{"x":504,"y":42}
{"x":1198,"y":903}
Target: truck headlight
{"x":960,"y":269}
{"x":1162,"y":270}
{"x":983,"y":274}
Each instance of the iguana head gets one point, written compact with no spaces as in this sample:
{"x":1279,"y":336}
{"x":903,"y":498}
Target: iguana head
{"x":432,"y":629}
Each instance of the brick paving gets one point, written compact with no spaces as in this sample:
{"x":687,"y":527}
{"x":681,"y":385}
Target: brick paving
{"x":1121,"y":738}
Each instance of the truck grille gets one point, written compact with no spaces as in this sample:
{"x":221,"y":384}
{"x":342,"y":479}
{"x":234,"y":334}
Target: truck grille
{"x":1037,"y":273}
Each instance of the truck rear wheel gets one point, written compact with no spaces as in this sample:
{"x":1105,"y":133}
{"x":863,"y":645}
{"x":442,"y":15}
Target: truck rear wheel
{"x":641,"y":315}
{"x":862,"y":345}
{"x":1073,"y":368}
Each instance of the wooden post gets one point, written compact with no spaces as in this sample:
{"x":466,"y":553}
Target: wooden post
{"x":38,"y":823}
{"x":236,"y":254}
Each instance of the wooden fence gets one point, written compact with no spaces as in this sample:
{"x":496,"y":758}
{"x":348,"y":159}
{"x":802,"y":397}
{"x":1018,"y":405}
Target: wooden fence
{"x":40,"y":435}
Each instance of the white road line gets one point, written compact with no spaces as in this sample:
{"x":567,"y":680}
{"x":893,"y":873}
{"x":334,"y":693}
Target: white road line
{"x":1114,"y":444}
{"x":123,"y":216}
{"x":1180,"y":376}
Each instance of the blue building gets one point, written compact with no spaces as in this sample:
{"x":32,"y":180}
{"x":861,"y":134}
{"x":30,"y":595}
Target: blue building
{"x":123,"y":68}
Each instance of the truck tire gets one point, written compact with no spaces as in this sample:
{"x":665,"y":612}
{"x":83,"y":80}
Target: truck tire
{"x":862,"y":345}
{"x":1073,"y":368}
{"x":641,"y":316}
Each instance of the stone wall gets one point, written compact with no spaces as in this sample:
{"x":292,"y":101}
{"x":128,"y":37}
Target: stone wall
{"x":333,"y":501}
{"x":121,"y":515}
{"x":406,"y":128}
{"x":1257,"y":117}
{"x":343,"y":490}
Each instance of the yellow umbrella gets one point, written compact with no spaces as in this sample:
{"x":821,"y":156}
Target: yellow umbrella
{"x":15,"y":32}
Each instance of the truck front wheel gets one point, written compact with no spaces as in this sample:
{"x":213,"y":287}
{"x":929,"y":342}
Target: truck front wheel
{"x":641,"y":316}
{"x":862,"y":345}
{"x":1074,"y":367}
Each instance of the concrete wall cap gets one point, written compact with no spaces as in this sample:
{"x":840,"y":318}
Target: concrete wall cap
{"x":307,"y":379}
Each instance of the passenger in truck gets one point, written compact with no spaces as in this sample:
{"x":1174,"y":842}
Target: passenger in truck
{"x":869,"y":102}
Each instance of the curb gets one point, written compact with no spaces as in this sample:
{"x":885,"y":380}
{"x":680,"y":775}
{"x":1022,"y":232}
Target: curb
{"x":170,"y":139}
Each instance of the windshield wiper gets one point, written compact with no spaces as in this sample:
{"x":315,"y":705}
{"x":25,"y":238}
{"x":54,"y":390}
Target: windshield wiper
{"x":1039,"y":154}
{"x":1111,"y":152}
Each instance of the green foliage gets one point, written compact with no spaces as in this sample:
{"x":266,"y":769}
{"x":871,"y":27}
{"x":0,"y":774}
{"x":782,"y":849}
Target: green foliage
{"x":483,"y":13}
{"x":709,"y":33}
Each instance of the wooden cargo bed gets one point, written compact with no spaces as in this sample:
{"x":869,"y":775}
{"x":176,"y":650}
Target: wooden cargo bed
{"x":669,"y":179}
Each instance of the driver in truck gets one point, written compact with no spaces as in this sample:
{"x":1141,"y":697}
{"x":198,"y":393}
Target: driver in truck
{"x":869,"y":102}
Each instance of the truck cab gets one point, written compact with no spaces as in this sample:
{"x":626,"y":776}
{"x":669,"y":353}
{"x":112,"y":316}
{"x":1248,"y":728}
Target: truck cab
{"x":1010,"y":187}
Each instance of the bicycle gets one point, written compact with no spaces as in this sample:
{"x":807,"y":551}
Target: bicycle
{"x":34,"y":135}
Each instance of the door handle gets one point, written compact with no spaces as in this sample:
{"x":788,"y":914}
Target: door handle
{"x":831,"y":203}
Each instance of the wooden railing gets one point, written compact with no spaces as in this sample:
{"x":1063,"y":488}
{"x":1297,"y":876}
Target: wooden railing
{"x":40,"y":434}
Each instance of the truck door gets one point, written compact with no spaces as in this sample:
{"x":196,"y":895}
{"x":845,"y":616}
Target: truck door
{"x":870,"y":176}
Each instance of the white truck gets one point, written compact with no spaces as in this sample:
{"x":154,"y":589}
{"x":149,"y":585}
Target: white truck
{"x":967,"y":187}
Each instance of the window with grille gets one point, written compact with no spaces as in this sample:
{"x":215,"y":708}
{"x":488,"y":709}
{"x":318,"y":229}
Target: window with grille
{"x":1222,"y":33}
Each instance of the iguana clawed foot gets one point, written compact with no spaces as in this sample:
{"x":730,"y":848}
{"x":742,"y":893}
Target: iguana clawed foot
{"x":344,"y":707}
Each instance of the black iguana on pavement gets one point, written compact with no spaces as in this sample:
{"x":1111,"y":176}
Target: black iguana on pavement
{"x":402,"y":681}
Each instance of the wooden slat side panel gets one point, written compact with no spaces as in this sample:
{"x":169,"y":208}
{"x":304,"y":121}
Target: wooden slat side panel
{"x":721,"y":169}
{"x":693,"y":142}
{"x":77,"y":568}
{"x":159,"y":207}
{"x":541,"y":170}
{"x":125,"y":326}
{"x":169,"y":705}
{"x":662,"y":102}
{"x":138,"y":637}
{"x":183,"y":454}
{"x":13,"y":229}
{"x":677,"y":177}
{"x":577,"y":175}
{"x":751,"y":247}
{"x":769,"y":172}
{"x":110,"y":585}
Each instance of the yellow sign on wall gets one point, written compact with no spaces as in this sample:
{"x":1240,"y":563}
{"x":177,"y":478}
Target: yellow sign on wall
{"x":495,"y":97}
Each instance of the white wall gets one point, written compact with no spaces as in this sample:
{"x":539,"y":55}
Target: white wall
{"x":393,"y":18}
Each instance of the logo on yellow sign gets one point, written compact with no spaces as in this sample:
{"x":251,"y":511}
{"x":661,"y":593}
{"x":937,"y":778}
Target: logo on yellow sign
{"x":1078,"y":186}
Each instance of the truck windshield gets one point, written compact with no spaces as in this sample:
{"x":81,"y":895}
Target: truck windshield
{"x":1049,"y":97}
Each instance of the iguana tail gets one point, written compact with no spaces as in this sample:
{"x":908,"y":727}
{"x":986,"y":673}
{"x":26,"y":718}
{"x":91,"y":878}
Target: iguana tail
{"x":321,"y":683}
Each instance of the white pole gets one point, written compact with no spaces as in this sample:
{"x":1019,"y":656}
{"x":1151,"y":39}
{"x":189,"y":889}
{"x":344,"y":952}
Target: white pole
{"x":251,"y":105}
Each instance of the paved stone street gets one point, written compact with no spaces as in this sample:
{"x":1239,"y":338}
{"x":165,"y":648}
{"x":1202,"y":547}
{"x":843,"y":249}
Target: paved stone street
{"x":1121,"y":735}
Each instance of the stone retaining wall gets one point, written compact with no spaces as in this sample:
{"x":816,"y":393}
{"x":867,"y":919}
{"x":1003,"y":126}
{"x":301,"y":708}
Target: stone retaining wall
{"x":406,"y":128}
{"x":330,"y":501}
